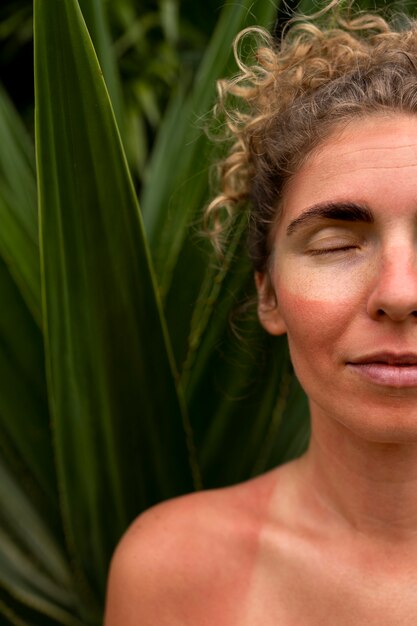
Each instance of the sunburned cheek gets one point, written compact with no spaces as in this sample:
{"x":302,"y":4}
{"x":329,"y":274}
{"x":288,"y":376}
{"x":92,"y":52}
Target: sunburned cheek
{"x":319,"y":305}
{"x":313,"y":330}
{"x":312,"y":322}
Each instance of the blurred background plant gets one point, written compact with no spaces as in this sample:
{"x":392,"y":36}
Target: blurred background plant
{"x":132,"y":368}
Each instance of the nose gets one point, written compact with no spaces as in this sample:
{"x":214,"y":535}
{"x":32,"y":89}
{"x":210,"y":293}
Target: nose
{"x":394,"y":295}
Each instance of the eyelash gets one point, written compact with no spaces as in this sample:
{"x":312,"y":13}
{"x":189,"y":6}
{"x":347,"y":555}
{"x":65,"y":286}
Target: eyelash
{"x":322,"y":251}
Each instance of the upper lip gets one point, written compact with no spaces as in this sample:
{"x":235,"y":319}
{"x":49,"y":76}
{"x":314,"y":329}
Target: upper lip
{"x":389,"y":358}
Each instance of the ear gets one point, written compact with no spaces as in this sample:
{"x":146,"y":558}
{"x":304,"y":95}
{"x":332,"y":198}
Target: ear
{"x":268,"y":308}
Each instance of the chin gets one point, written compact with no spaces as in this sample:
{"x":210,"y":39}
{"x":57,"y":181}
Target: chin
{"x":391,"y":420}
{"x":389,"y":434}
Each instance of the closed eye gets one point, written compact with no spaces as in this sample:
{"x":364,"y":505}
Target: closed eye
{"x":321,"y":251}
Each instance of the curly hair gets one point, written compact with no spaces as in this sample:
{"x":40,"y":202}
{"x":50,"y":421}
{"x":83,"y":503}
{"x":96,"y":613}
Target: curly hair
{"x":283,"y":105}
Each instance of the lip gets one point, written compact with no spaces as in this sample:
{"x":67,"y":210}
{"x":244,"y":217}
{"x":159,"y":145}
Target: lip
{"x":387,"y":368}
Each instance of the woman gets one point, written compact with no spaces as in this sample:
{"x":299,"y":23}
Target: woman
{"x":325,"y":149}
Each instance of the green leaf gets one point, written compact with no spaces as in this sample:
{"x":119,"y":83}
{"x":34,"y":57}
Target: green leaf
{"x":19,"y":245}
{"x":17,"y":612}
{"x":169,"y":19}
{"x":237,"y":388}
{"x":31,"y":561}
{"x":177,"y":185}
{"x":24,"y":413}
{"x":33,"y":567}
{"x":96,"y":21}
{"x":118,"y":420}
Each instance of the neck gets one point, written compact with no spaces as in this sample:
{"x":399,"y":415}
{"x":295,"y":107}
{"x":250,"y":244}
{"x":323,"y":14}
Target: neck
{"x":371,"y":487}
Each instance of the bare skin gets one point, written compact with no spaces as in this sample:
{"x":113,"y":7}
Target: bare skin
{"x":332,"y":537}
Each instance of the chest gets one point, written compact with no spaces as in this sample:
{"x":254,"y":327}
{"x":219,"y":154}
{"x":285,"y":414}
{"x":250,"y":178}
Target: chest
{"x":325,"y":592}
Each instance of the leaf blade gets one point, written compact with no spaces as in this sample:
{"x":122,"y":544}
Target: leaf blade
{"x":19,"y":244}
{"x":109,"y":399}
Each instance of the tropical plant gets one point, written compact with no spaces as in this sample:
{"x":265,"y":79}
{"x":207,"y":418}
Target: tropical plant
{"x":130,"y":370}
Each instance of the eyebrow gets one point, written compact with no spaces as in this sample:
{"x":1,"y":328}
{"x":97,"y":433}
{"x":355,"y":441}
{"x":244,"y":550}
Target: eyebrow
{"x":344,"y":211}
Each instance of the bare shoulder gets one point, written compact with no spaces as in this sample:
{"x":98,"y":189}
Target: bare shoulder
{"x":185,"y":560}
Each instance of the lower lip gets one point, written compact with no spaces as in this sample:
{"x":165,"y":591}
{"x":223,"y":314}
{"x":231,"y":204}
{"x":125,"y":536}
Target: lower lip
{"x":390,"y":375}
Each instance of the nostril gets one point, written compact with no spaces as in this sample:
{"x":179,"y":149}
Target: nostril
{"x":381,"y":313}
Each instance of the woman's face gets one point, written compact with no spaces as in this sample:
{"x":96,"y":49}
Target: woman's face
{"x":344,"y":276}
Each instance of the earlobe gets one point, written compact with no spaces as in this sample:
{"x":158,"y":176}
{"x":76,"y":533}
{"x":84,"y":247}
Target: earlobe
{"x":268,"y":308}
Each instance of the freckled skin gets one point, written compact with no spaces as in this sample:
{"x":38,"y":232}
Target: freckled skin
{"x":328,"y":539}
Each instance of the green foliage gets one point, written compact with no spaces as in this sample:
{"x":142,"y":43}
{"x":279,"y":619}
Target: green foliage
{"x":124,"y":380}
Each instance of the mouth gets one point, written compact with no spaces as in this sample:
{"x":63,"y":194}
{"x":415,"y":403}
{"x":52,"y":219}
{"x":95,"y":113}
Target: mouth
{"x":386,"y":368}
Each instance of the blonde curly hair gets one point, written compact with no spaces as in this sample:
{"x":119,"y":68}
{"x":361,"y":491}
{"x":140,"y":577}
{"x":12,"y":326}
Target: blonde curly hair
{"x":285,"y":102}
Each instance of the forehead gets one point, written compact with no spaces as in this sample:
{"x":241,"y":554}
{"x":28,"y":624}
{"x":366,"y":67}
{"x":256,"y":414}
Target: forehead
{"x":372,"y":160}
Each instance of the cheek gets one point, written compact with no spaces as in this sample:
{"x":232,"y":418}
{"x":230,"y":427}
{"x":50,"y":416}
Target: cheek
{"x":330,"y":285}
{"x":316,"y":303}
{"x":323,"y":309}
{"x":314,"y":326}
